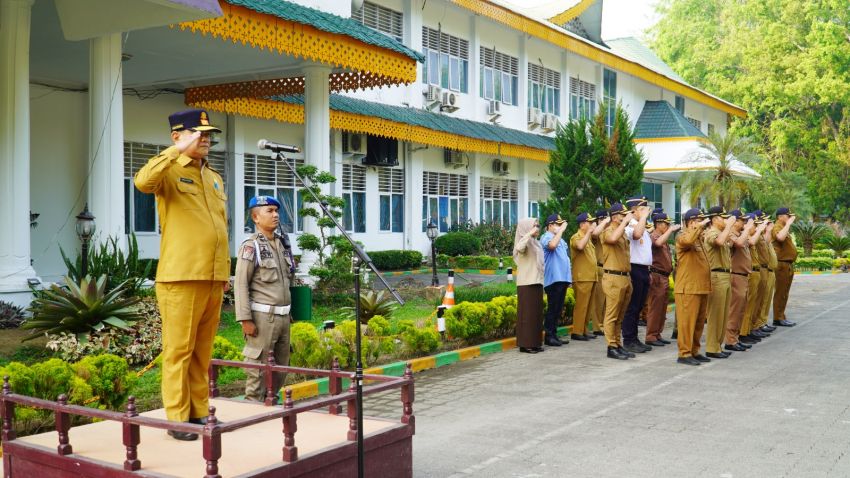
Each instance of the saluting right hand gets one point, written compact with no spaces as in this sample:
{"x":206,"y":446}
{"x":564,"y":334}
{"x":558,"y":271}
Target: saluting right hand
{"x":675,"y":227}
{"x":187,"y":141}
{"x":249,"y":328}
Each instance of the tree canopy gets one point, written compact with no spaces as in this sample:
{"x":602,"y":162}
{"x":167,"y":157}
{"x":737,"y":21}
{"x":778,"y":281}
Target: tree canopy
{"x":788,"y":63}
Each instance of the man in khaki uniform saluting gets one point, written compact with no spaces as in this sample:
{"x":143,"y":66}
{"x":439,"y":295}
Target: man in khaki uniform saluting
{"x":692,"y":286}
{"x":615,"y":282}
{"x":194,"y":262}
{"x":264,"y":270}
{"x":583,"y":260}
{"x":772,"y":262}
{"x":597,"y":304}
{"x":741,"y":238}
{"x":786,"y":252}
{"x":716,"y":245}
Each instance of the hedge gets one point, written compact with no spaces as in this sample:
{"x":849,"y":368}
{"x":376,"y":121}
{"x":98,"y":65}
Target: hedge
{"x":473,"y":262}
{"x":814,"y":263}
{"x":458,"y":244}
{"x":396,"y":259}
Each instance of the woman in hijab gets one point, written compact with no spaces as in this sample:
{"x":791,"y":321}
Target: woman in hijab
{"x":528,"y":257}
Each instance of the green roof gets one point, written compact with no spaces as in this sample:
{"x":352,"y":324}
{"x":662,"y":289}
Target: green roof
{"x":432,"y":120}
{"x":659,"y":119}
{"x":632,"y":49}
{"x":327,"y":22}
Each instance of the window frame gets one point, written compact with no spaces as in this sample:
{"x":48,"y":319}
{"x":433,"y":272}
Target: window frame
{"x":450,"y":50}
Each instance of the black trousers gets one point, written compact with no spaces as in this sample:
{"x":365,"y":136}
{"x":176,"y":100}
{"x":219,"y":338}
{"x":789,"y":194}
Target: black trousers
{"x":640,"y":289}
{"x":556,"y":293}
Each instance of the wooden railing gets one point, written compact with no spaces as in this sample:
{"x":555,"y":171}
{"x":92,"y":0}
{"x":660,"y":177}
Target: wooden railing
{"x":212,"y":431}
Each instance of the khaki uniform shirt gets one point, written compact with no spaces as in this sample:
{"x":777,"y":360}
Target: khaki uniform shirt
{"x":661,"y":258}
{"x":597,"y":247}
{"x":266,"y":283}
{"x":192,"y":215}
{"x":785,"y":250}
{"x":583,"y":261}
{"x":719,"y":257}
{"x":761,"y":247}
{"x":772,"y":261}
{"x":741,"y":260}
{"x":693,"y":275}
{"x":615,"y":257}
{"x":755,"y":257}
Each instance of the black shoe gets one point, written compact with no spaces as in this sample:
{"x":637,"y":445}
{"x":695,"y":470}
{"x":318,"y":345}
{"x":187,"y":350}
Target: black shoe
{"x":749,"y":339}
{"x":735,"y":348}
{"x":589,"y":336}
{"x":745,"y":345}
{"x":646,"y":347}
{"x":641,"y":323}
{"x":183,"y":436}
{"x":538,"y":349}
{"x":665,"y":341}
{"x":635,"y":347}
{"x":688,"y":361}
{"x":655,"y":343}
{"x":768,"y":328}
{"x":579,"y":337}
{"x":598,"y":333}
{"x":717,"y":355}
{"x":702,"y":358}
{"x":551,"y":341}
{"x":625,"y":352}
{"x":674,"y":335}
{"x":759,"y":334}
{"x":784,"y":323}
{"x":527,"y":351}
{"x":615,"y":354}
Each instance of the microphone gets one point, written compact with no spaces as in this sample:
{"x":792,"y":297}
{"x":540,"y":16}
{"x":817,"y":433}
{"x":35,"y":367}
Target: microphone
{"x":277,"y":147}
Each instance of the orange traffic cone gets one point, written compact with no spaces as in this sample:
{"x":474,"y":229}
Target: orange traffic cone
{"x":449,"y":298}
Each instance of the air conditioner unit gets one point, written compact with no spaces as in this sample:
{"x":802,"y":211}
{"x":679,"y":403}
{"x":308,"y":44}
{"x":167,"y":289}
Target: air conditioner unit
{"x":501,"y":167}
{"x":354,"y":143}
{"x":453,"y":158}
{"x":449,"y":102}
{"x":433,"y":94}
{"x":550,"y":123}
{"x":494,"y":109}
{"x":534,"y":117}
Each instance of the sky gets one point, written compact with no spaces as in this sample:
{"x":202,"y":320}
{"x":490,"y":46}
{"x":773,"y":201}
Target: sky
{"x":622,"y":18}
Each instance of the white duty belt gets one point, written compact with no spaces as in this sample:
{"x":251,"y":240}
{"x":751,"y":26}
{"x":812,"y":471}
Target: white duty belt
{"x":275,"y":309}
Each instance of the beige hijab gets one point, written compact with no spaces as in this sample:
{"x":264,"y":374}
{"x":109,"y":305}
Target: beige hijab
{"x":532,"y":248}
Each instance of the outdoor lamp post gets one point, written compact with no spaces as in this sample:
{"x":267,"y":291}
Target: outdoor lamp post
{"x":432,"y":232}
{"x":85,"y":230}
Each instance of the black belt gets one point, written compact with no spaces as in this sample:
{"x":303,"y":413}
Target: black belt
{"x":616,"y":273}
{"x":640,"y":266}
{"x":764,"y":265}
{"x":659,"y":271}
{"x":720,"y":269}
{"x":756,"y":269}
{"x":599,"y":264}
{"x":769,"y":269}
{"x":741,"y":274}
{"x":787,"y":262}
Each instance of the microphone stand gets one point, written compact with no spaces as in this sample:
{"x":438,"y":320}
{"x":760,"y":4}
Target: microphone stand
{"x":359,"y":258}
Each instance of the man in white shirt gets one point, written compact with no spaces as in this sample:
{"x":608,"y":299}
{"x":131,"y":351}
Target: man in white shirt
{"x":640,"y":245}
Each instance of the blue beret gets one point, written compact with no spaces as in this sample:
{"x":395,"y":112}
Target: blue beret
{"x":257,"y":201}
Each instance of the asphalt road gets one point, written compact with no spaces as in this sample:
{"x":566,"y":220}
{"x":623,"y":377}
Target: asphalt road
{"x":781,"y":409}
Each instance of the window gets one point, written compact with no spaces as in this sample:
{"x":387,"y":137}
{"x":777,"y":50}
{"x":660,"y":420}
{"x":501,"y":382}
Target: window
{"x":446,"y":60}
{"x":652,"y":191}
{"x":710,"y":129}
{"x":140,"y":214}
{"x":391,"y":198}
{"x":499,"y":201}
{"x":582,"y":99}
{"x":544,"y":89}
{"x":382,"y":19}
{"x":697,"y":123}
{"x":264,"y":177}
{"x":680,"y":104}
{"x":445,"y":200}
{"x":609,"y":98}
{"x":538,"y":193}
{"x":354,"y":195}
{"x":499,"y":76}
{"x":678,"y":208}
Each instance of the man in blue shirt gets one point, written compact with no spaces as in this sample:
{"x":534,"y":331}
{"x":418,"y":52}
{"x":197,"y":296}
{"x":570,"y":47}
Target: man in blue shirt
{"x":557,"y":275}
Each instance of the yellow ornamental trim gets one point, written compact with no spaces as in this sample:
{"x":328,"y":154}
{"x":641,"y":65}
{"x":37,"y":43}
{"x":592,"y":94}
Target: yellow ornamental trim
{"x":267,"y":32}
{"x":555,"y":36}
{"x":356,"y":123}
{"x":571,"y":12}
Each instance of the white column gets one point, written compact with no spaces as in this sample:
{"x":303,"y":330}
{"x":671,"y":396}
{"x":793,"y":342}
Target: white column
{"x":413,"y":38}
{"x":522,"y":98}
{"x":475,"y":187}
{"x":106,"y":136}
{"x":412,"y":198}
{"x":668,"y":199}
{"x":478,"y":113}
{"x":565,"y":88}
{"x":15,"y":265}
{"x":317,"y":130}
{"x":522,"y":189}
{"x":235,"y":139}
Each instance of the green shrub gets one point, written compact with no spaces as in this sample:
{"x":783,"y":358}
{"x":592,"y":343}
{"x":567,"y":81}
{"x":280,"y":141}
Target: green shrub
{"x":814,"y":263}
{"x":306,"y":347}
{"x":569,"y":306}
{"x":841,"y":263}
{"x":396,"y":259}
{"x":420,"y":337}
{"x":470,"y":321}
{"x":508,"y":306}
{"x":495,"y":239}
{"x":458,"y":244}
{"x":471,"y":262}
{"x":109,"y":377}
{"x":823,"y":253}
{"x":485,"y":292}
{"x":224,"y":349}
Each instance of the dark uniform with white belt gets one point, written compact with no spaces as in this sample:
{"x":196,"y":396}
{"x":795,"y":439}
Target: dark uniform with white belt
{"x":264,"y":271}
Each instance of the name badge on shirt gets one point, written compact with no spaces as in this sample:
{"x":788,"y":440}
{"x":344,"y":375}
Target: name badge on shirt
{"x":187,"y":180}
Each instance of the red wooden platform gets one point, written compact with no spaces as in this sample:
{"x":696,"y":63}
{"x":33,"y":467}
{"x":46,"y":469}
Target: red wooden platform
{"x":309,"y":438}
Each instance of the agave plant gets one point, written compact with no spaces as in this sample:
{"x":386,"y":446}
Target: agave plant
{"x":808,"y":233}
{"x":374,"y":303}
{"x":80,"y":309}
{"x":839,"y":244}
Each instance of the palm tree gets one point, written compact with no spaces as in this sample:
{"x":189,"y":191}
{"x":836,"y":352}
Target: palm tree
{"x":808,"y":233}
{"x":839,"y":244}
{"x":713,"y":177}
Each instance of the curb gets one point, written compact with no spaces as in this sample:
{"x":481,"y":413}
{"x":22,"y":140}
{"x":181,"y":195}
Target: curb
{"x":817,"y":273}
{"x":444,"y":271}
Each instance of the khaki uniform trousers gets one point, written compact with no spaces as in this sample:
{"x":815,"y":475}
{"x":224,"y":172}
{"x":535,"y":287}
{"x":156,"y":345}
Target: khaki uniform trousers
{"x":272,"y":337}
{"x":718,"y":310}
{"x":769,"y":289}
{"x":755,"y":292}
{"x":691,"y":311}
{"x":190,"y":314}
{"x":784,"y":278}
{"x":618,"y":292}
{"x":737,"y":306}
{"x":657,"y":299}
{"x":584,"y":291}
{"x":597,"y":302}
